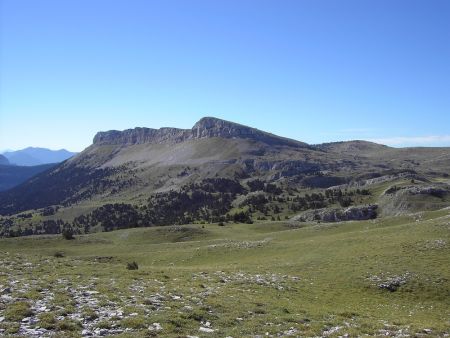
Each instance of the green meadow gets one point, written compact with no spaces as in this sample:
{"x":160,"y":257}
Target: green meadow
{"x":237,"y":280}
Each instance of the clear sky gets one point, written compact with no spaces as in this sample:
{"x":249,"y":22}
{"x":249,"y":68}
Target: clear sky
{"x":312,"y":70}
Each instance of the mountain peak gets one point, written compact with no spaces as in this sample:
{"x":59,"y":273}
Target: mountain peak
{"x":209,"y":122}
{"x":214,"y":127}
{"x":206,"y":127}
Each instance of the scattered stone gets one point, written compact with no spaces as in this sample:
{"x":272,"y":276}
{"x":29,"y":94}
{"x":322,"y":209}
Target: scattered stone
{"x":86,"y":333}
{"x":5,"y":290}
{"x":240,"y":244}
{"x":116,"y":331}
{"x":6,"y":298}
{"x":393,"y":283}
{"x":156,"y":300}
{"x":155,"y":327}
{"x":435,"y":244}
{"x":291,"y":332}
{"x":206,"y":329}
{"x":276,"y":281}
{"x":390,"y":283}
{"x":331,"y":330}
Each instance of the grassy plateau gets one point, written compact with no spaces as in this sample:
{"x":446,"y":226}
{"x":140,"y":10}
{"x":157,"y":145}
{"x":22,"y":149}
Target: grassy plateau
{"x":383,"y":277}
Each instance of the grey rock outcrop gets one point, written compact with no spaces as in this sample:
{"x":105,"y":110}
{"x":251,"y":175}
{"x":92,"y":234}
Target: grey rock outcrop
{"x":428,"y":190}
{"x":354,"y":213}
{"x":433,"y":190}
{"x":378,"y":180}
{"x":390,"y":283}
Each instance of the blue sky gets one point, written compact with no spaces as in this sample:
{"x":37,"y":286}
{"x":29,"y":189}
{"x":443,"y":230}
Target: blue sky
{"x":312,"y":70}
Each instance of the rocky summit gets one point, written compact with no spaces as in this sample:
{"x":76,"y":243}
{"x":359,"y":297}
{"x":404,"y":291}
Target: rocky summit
{"x":207,"y":127}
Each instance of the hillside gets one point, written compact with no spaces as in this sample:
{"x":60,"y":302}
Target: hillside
{"x":13,"y":175}
{"x":220,"y":171}
{"x":3,"y":160}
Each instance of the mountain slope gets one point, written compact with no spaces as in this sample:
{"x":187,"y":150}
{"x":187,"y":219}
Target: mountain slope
{"x":216,"y":171}
{"x":12,"y":175}
{"x":35,"y":156}
{"x":3,"y":160}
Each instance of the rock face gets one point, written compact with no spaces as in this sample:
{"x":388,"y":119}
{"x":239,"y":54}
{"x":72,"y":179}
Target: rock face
{"x":207,"y":127}
{"x":140,"y":136}
{"x":355,"y":213}
{"x":212,"y":127}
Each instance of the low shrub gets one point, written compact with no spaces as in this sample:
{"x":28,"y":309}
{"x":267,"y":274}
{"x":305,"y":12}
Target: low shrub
{"x":68,"y":234}
{"x":132,"y":266}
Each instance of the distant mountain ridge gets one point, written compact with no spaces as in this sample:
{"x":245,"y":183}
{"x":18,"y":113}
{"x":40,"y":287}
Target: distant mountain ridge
{"x":32,"y":156}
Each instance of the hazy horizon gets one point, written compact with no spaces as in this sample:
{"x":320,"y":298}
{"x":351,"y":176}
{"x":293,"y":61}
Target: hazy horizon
{"x":311,"y":71}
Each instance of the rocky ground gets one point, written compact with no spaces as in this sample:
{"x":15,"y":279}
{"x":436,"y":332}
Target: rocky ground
{"x":33,"y":308}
